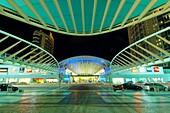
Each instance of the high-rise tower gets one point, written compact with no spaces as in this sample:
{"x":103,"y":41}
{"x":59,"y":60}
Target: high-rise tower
{"x":145,"y":28}
{"x":44,"y":41}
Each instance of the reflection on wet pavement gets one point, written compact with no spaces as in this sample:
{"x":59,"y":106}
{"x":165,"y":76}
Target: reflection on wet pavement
{"x":85,"y":98}
{"x":82,"y":95}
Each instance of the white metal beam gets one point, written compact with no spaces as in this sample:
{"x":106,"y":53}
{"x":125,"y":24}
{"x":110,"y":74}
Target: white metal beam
{"x":135,"y":4}
{"x":131,"y":59}
{"x":158,"y":48}
{"x":116,"y":61}
{"x":36,"y":59}
{"x":28,"y":3}
{"x":1,"y":9}
{"x":10,"y":47}
{"x":61,"y":14}
{"x":148,"y":7}
{"x":151,"y":53}
{"x":105,"y":13}
{"x":72,"y":15}
{"x":24,"y":55}
{"x":4,"y":38}
{"x":137,"y":58}
{"x":125,"y":64}
{"x":145,"y":38}
{"x":94,"y":13}
{"x":130,"y":63}
{"x":122,"y":65}
{"x":166,"y":6}
{"x":45,"y":63}
{"x":31,"y":57}
{"x":18,"y":9}
{"x":48,"y":13}
{"x":83,"y":19}
{"x":117,"y":13}
{"x":16,"y":53}
{"x":164,"y":39}
{"x":144,"y":56}
{"x":43,"y":60}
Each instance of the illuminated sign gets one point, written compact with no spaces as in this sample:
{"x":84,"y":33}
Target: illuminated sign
{"x":29,"y":70}
{"x":3,"y":70}
{"x":156,"y":69}
{"x":14,"y":70}
{"x":134,"y":70}
{"x":21,"y":70}
{"x":37,"y":71}
{"x":149,"y":69}
{"x":142,"y":69}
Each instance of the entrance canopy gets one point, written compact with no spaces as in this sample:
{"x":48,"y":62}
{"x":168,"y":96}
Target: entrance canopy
{"x":85,"y":65}
{"x":83,"y":17}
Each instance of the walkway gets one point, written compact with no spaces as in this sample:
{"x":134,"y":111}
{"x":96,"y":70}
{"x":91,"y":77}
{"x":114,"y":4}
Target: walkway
{"x":85,"y":98}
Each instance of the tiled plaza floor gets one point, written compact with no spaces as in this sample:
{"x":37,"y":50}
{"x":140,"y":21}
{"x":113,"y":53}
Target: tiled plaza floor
{"x":84,"y":99}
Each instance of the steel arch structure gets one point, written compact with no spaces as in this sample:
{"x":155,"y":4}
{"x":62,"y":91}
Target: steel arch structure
{"x":135,"y":55}
{"x":83,"y":17}
{"x":21,"y":54}
{"x":84,"y":65}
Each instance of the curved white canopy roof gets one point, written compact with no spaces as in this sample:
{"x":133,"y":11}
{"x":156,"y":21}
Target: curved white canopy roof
{"x":83,"y":17}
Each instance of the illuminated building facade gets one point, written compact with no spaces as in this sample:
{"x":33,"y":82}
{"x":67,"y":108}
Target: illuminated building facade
{"x":43,"y":40}
{"x":145,"y":28}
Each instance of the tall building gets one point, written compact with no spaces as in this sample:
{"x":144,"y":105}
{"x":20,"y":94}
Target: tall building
{"x":44,"y":41}
{"x":145,"y":28}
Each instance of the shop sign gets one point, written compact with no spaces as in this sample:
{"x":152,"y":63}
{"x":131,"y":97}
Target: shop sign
{"x":21,"y":70}
{"x":29,"y":70}
{"x":156,"y":69}
{"x":134,"y":70}
{"x":2,"y":70}
{"x":142,"y":69}
{"x":149,"y":69}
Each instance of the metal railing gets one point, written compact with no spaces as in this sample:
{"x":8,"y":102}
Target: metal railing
{"x":136,"y":55}
{"x":17,"y":51}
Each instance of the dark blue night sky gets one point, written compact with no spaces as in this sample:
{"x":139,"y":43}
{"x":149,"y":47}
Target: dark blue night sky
{"x":104,"y":46}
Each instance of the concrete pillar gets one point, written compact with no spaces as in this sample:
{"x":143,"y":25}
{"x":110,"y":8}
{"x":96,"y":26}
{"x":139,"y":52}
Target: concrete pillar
{"x":31,"y":80}
{"x":44,"y":80}
{"x":17,"y":80}
{"x":124,"y":79}
{"x":5,"y":80}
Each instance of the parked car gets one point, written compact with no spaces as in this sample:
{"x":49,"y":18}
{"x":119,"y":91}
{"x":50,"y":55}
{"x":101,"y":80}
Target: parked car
{"x":152,"y":86}
{"x":5,"y":87}
{"x":140,"y":83}
{"x":146,"y":86}
{"x":22,"y":83}
{"x":127,"y":86}
{"x":167,"y":83}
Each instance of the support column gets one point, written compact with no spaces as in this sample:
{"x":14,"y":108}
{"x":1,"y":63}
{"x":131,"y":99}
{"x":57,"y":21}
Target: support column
{"x":17,"y":80}
{"x":124,"y":79}
{"x":31,"y":80}
{"x":44,"y":80}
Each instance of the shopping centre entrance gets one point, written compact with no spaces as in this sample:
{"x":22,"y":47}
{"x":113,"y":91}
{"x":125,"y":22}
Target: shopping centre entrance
{"x":85,"y":79}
